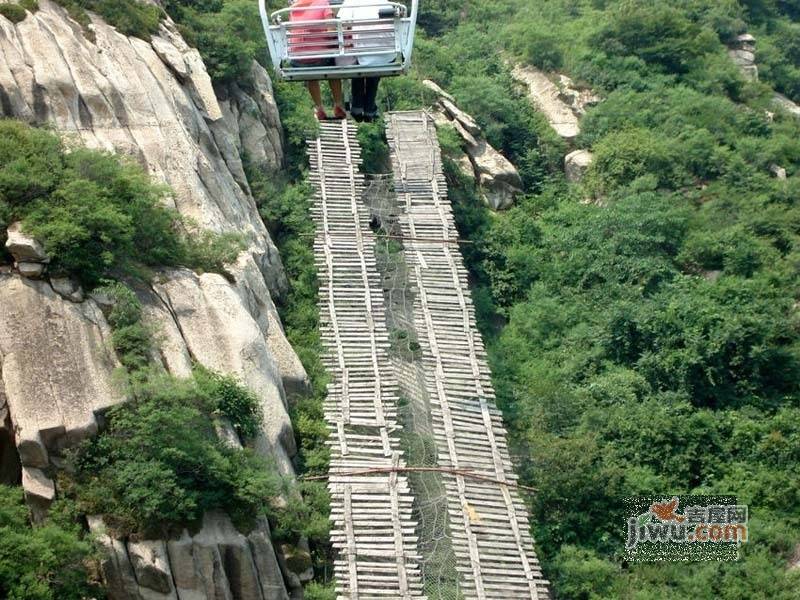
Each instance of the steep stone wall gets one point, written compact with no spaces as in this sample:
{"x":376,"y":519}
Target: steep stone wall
{"x":153,"y":101}
{"x":216,"y":563}
{"x":57,"y":367}
{"x":495,"y":175}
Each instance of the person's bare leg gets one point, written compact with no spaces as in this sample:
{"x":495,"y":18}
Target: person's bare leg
{"x":316,"y":93}
{"x":336,"y":90}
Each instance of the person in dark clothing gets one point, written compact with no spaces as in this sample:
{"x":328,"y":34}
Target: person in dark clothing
{"x":363,"y":105}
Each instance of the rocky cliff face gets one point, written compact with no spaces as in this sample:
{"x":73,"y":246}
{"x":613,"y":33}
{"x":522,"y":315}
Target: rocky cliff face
{"x":498,"y":179}
{"x":153,"y":101}
{"x":560,"y":101}
{"x":743,"y":52}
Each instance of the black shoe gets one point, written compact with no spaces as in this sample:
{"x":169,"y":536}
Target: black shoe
{"x":371,"y":118}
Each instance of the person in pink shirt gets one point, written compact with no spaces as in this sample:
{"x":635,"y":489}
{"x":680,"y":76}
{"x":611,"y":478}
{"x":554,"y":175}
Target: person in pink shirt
{"x":316,"y":10}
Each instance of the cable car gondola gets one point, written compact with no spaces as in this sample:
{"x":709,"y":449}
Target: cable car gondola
{"x":295,"y":46}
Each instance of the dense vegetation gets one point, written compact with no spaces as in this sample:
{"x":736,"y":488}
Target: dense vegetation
{"x":159,"y":464}
{"x":45,"y":562}
{"x":649,"y":342}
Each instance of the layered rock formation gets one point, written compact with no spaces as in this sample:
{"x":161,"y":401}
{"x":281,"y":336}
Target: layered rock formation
{"x":497,"y":178}
{"x":576,"y":164}
{"x":216,"y":563}
{"x":152,"y":100}
{"x":742,"y":52}
{"x":57,"y":367}
{"x":561,"y":102}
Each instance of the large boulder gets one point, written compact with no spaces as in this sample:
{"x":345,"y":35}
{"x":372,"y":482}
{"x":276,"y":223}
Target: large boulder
{"x":463,"y":119}
{"x":436,"y":89}
{"x":778,"y":172}
{"x":498,"y":178}
{"x":151,"y":566}
{"x":794,"y":562}
{"x":31,"y":270}
{"x":40,"y":491}
{"x":68,"y":288}
{"x":576,"y":164}
{"x":57,"y":366}
{"x":23,"y":247}
{"x":783,"y":103}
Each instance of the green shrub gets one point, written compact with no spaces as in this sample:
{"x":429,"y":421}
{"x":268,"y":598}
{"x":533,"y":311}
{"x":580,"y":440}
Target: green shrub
{"x":13,"y":12}
{"x":126,"y":309}
{"x":204,"y":250}
{"x":132,"y":345}
{"x":374,"y":149}
{"x":317,"y":591}
{"x":625,"y":156}
{"x":97,"y":214}
{"x":655,"y":32}
{"x":132,"y":340}
{"x":778,"y":57}
{"x":226,"y":396}
{"x":49,"y":561}
{"x":159,"y":463}
{"x":537,"y":45}
{"x":130,"y":17}
{"x":450,"y":142}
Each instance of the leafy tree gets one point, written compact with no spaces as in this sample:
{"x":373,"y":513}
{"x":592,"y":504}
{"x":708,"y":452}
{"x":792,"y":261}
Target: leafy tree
{"x":658,"y":33}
